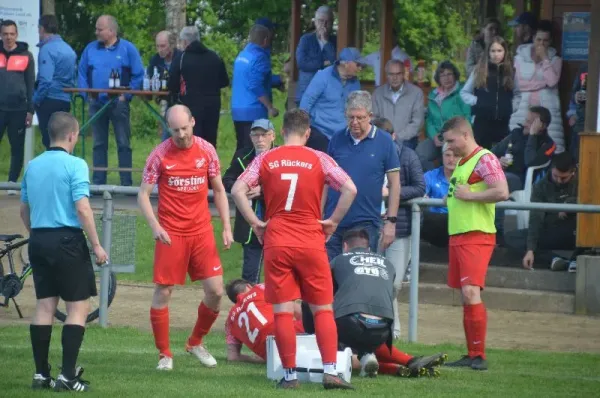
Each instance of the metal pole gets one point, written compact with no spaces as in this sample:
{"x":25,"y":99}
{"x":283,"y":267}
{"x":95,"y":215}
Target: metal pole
{"x":107,"y":213}
{"x":413,"y":309}
{"x":29,"y":145}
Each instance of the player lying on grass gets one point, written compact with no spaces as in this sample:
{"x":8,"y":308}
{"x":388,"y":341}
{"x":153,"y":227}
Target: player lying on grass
{"x":251,"y":320}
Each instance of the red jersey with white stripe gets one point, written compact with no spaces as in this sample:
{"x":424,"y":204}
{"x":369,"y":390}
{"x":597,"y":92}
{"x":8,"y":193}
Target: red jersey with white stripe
{"x":182,"y":176}
{"x":292,"y":180}
{"x":250,"y":321}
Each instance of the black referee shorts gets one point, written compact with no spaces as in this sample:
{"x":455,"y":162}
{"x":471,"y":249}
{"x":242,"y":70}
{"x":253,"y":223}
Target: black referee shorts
{"x":61,"y":264}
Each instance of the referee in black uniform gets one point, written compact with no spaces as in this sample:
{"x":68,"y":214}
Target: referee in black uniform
{"x":56,"y":211}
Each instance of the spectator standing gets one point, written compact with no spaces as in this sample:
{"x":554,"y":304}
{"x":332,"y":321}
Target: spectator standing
{"x":110,"y":52}
{"x":196,"y":77}
{"x":368,"y":155}
{"x":412,"y":186}
{"x":162,"y":60}
{"x":491,"y":28}
{"x":489,"y":92}
{"x":476,"y":184}
{"x":56,"y":211}
{"x":537,"y":74}
{"x":182,"y":167}
{"x":262,"y":135}
{"x":401,"y":102}
{"x":525,"y":25}
{"x":251,"y":95}
{"x":443,"y":104}
{"x":316,"y":50}
{"x":374,"y":60}
{"x":17,"y":77}
{"x":326,"y":95}
{"x":549,"y":230}
{"x":56,"y":70}
{"x":437,"y":183}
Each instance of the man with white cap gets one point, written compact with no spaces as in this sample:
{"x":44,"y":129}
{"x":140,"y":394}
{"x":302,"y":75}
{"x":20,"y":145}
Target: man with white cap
{"x":262,"y":134}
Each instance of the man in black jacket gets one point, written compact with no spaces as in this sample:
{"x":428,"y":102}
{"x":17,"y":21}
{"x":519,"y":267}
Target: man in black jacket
{"x":17,"y":80}
{"x":262,"y":134}
{"x":529,"y":145}
{"x":196,"y":78}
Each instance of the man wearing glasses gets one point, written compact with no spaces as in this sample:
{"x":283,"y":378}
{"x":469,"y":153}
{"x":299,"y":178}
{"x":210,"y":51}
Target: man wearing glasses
{"x":477,"y":183}
{"x":262,"y":134}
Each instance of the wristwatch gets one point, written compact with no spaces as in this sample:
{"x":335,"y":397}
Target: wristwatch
{"x":392,"y":219}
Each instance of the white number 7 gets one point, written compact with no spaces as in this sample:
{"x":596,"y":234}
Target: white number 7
{"x":293,"y":178}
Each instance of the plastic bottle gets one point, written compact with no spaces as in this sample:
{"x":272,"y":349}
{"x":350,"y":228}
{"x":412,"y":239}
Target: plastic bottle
{"x":146,"y":83}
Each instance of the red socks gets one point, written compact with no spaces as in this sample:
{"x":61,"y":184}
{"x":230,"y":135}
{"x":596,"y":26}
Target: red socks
{"x":386,"y":368}
{"x":475,"y":324}
{"x":206,"y":318}
{"x":327,"y":337}
{"x":159,"y":318}
{"x":395,"y":357}
{"x":285,"y":338}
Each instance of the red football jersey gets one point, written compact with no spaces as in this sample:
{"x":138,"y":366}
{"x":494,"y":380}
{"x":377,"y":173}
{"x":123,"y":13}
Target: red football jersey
{"x":250,"y":321}
{"x":292,"y":180}
{"x":182,"y":177}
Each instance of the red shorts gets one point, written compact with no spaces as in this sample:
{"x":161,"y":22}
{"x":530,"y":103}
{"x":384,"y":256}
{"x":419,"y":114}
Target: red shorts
{"x":195,"y":255}
{"x":293,"y":272}
{"x":469,"y":257}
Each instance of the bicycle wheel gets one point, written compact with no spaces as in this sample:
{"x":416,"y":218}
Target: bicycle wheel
{"x":61,"y":313}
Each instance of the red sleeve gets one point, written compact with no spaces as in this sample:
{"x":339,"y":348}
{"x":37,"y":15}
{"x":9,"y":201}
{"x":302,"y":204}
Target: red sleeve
{"x":335,"y":176}
{"x":214,"y":167}
{"x":251,"y":176}
{"x":229,"y":339}
{"x":489,"y":169}
{"x":152,"y":169}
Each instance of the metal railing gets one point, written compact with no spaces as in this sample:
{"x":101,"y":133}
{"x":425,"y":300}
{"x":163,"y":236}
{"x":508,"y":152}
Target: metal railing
{"x":415,"y":204}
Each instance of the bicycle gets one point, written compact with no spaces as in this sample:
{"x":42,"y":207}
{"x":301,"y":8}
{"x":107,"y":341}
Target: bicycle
{"x":12,"y":283}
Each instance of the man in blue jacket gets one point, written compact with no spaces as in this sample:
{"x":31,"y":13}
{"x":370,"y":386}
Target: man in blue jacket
{"x":56,"y":71}
{"x":251,"y":95}
{"x":325,"y":97}
{"x":99,"y":58}
{"x":316,"y":50}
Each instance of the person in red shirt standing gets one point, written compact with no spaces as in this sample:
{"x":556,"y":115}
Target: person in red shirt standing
{"x":292,"y":178}
{"x":182,"y":167}
{"x":477,"y":183}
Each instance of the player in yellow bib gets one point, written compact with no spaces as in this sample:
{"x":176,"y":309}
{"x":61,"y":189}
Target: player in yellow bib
{"x":477,"y":183}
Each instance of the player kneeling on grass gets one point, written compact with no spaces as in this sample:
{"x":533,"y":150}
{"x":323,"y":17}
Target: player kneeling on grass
{"x":363,"y":307}
{"x":292,"y":178}
{"x":182,"y":167}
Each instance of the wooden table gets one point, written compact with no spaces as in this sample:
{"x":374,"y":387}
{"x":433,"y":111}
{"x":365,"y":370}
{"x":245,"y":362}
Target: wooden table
{"x":113,"y":95}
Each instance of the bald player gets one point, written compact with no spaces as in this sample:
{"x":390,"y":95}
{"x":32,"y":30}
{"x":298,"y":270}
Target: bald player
{"x":182,"y":167}
{"x":166,"y":51}
{"x":477,"y":183}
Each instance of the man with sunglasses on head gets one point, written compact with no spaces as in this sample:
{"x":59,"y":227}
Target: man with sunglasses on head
{"x":477,"y":183}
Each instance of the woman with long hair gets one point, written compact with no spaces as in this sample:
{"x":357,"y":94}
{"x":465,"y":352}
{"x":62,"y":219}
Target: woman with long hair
{"x":489,"y":91}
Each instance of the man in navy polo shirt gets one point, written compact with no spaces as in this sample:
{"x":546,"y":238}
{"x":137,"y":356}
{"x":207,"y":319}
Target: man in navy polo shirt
{"x":367,"y":155}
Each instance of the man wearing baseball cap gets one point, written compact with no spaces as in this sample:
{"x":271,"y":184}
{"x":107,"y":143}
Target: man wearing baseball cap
{"x":325,"y":97}
{"x":262,"y":134}
{"x":525,"y":26}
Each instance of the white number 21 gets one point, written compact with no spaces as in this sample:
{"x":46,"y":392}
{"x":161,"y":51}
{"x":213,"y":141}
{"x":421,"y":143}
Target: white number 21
{"x":293,"y":178}
{"x":243,"y":319}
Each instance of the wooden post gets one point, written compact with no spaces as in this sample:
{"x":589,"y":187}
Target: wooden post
{"x":385,"y":36}
{"x":591,"y":105}
{"x":546,"y":9}
{"x":588,"y":225}
{"x":346,"y":24}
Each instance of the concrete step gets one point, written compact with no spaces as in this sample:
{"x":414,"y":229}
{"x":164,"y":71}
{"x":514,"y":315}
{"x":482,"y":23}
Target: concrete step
{"x":507,"y":277}
{"x":496,"y":298}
